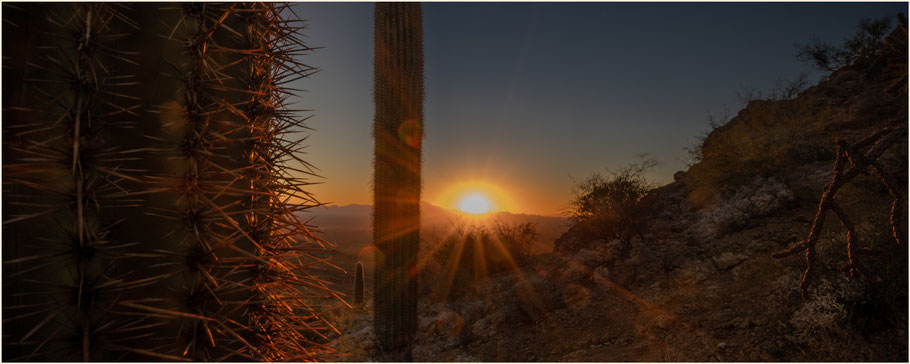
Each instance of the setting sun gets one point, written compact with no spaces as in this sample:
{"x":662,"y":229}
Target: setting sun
{"x":474,"y":203}
{"x":474,"y":197}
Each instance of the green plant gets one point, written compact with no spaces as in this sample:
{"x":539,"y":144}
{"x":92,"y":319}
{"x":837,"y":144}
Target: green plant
{"x":397,"y":129}
{"x":358,"y":284}
{"x":177,"y":210}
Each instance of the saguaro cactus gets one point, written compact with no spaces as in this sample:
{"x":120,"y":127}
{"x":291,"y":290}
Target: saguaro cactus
{"x":175,"y":238}
{"x":358,"y":284}
{"x":60,"y":107}
{"x":398,"y":130}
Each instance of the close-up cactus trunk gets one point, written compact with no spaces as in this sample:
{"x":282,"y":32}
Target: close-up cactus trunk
{"x":397,"y":130}
{"x":69,"y":91}
{"x":153,"y":185}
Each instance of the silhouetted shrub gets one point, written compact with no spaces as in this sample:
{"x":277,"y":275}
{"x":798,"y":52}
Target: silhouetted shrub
{"x":473,"y":253}
{"x":864,"y":45}
{"x":517,"y":239}
{"x":612,"y":206}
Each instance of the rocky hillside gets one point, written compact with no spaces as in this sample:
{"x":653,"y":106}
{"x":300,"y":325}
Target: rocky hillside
{"x":700,"y":284}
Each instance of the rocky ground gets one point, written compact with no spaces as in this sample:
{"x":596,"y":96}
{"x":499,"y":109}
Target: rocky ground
{"x":690,"y":295}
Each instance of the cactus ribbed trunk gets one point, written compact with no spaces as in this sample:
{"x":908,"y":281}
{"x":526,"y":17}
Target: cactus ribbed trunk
{"x":398,"y":130}
{"x":209,"y":152}
{"x":62,"y":171}
{"x":153,"y":184}
{"x":258,"y":222}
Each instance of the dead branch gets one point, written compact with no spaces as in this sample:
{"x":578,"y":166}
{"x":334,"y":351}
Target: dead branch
{"x":860,"y":162}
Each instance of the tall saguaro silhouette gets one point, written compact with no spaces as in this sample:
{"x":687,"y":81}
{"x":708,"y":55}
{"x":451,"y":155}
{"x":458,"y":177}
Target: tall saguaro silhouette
{"x":397,"y":129}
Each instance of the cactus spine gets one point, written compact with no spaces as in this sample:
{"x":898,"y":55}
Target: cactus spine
{"x":200,"y":195}
{"x":358,"y":284}
{"x":398,"y":130}
{"x":272,"y":224}
{"x":61,"y":167}
{"x":207,"y":240}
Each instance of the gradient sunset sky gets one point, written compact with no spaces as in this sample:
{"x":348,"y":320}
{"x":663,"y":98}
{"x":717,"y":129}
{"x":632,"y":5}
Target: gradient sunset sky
{"x":530,"y":97}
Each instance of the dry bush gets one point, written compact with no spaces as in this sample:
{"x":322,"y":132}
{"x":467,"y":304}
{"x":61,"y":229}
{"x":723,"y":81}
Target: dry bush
{"x":865,"y":44}
{"x":760,"y":198}
{"x":828,"y":309}
{"x":611,"y":213}
{"x":518,"y":238}
{"x":694,"y":149}
{"x":849,"y":319}
{"x":822,"y":328}
{"x":471,"y":254}
{"x":887,"y":273}
{"x":613,"y":206}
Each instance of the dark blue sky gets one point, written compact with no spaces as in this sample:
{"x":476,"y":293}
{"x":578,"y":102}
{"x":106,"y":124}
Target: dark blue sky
{"x":529,"y":96}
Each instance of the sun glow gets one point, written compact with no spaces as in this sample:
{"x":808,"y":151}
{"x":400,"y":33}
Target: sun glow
{"x":474,"y":203}
{"x":474,"y":198}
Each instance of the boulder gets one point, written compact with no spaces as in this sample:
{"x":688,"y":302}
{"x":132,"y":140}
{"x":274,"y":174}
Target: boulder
{"x":679,"y":175}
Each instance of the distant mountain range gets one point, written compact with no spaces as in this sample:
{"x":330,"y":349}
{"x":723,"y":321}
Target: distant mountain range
{"x":349,"y":227}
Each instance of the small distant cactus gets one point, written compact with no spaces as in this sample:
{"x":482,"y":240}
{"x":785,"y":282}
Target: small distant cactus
{"x":358,"y":284}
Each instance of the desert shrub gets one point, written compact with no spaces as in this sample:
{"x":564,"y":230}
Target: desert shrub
{"x":517,"y":239}
{"x":868,"y":203}
{"x":784,"y":89}
{"x":822,"y":325}
{"x":760,"y":198}
{"x":865,"y":44}
{"x":827,"y":309}
{"x":471,"y":254}
{"x":850,"y":318}
{"x":694,"y":149}
{"x":613,"y":206}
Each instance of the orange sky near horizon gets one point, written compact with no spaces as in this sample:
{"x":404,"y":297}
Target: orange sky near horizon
{"x":506,"y":192}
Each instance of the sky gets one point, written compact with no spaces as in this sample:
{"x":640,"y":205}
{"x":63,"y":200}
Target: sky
{"x":528,"y":98}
